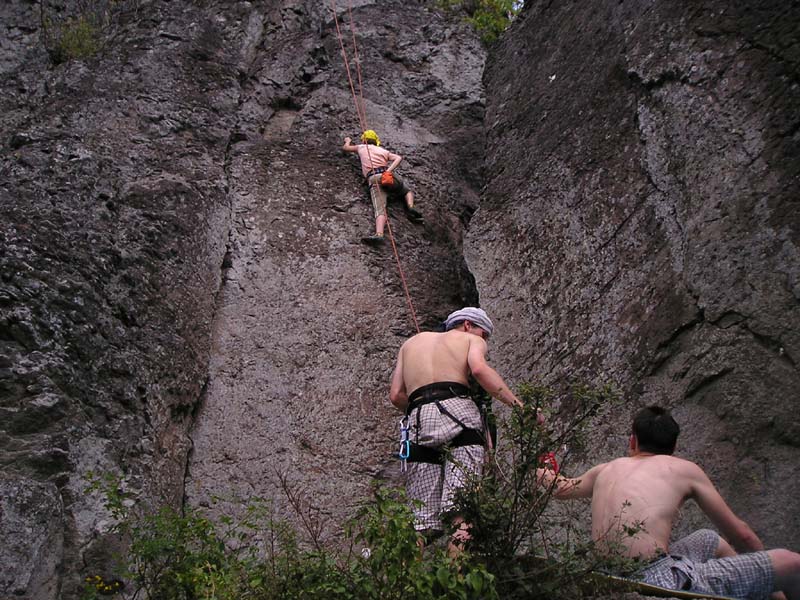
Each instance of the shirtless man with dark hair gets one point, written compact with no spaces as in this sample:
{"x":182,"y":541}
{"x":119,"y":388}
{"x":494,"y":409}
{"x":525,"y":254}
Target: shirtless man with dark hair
{"x":430,"y":384}
{"x":645,"y":490}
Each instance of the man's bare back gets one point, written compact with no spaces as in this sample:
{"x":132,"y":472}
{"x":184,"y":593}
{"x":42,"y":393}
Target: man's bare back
{"x":430,"y":357}
{"x":639,"y":492}
{"x":643,"y":492}
{"x":453,"y":356}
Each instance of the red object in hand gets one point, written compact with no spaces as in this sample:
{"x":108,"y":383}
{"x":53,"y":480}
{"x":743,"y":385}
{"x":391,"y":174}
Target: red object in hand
{"x":548,"y":459}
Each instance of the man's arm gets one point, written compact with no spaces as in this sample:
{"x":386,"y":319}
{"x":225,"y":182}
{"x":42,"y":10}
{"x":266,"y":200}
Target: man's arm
{"x":395,"y":158}
{"x":566,"y":488}
{"x":348,"y":147}
{"x":397,"y":392}
{"x":486,"y":376}
{"x":737,"y":532}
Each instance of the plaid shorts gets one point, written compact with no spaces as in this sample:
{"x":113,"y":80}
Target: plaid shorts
{"x":691,"y":566}
{"x":435,"y":485}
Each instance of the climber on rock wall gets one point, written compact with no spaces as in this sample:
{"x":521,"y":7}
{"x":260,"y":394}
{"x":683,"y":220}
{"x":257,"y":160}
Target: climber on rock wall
{"x":430,"y":384}
{"x":375,"y":163}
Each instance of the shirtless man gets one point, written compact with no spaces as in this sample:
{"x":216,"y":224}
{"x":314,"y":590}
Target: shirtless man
{"x":374,"y":161}
{"x":645,"y":491}
{"x":430,"y":384}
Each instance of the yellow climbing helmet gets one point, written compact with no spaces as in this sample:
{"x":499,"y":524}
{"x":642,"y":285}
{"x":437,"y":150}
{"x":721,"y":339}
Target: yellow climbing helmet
{"x":370,"y":135}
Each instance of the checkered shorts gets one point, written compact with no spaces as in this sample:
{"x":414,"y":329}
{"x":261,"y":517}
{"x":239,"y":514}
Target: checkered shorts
{"x":435,"y":485}
{"x":691,"y":566}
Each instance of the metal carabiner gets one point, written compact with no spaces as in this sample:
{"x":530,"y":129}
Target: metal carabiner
{"x":405,"y":443}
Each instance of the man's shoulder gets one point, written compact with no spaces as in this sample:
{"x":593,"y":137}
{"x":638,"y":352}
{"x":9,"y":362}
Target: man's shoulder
{"x":374,"y":148}
{"x":660,"y":460}
{"x":674,"y":468}
{"x":677,"y":461}
{"x":423,"y":336}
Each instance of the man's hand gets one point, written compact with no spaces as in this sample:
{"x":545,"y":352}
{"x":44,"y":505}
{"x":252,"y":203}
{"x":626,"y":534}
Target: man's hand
{"x":348,"y":147}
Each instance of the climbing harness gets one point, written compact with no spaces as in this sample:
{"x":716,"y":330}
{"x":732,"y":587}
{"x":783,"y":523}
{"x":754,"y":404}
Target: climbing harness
{"x":361,"y":113}
{"x":435,"y":393}
{"x":375,"y":171}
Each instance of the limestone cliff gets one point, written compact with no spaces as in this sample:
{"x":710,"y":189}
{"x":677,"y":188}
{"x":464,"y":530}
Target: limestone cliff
{"x":180,"y":235}
{"x":184,"y":299}
{"x":640,"y":224}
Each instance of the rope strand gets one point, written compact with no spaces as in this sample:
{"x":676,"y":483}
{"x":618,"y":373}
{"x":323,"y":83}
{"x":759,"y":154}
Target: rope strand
{"x":361,"y":113}
{"x":357,"y":61}
{"x":361,"y":121}
{"x":402,"y":276}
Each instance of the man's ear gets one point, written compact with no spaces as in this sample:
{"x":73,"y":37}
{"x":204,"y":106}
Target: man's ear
{"x":633,"y":443}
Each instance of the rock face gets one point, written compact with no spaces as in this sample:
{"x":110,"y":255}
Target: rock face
{"x":310,"y":319}
{"x":180,"y":239}
{"x":184,"y":299}
{"x":114,"y":222}
{"x":640,"y":224}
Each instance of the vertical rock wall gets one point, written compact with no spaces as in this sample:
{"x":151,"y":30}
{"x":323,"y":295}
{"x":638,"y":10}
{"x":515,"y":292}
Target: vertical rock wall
{"x":180,"y":246}
{"x":640,"y":224}
{"x":310,"y":319}
{"x":180,"y":233}
{"x":113,"y":220}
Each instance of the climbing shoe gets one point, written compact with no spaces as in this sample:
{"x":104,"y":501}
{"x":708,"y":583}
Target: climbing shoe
{"x":373,"y":240}
{"x":414,"y":215}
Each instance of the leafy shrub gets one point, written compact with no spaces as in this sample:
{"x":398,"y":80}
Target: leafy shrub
{"x":518,"y":549}
{"x":186,"y":556}
{"x":490,"y":18}
{"x":76,"y":39}
{"x":81,"y":32}
{"x":533,"y":548}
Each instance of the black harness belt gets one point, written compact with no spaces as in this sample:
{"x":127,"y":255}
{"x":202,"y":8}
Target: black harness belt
{"x":376,"y":171}
{"x":436,"y":456}
{"x":435,"y":392}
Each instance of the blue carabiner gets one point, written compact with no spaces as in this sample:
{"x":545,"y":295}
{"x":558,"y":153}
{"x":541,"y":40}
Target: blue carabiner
{"x":405,"y":444}
{"x":405,"y":450}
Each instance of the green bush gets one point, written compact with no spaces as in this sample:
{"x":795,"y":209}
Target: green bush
{"x":518,"y":549}
{"x":187,"y":556}
{"x":533,"y":548}
{"x":490,"y":18}
{"x":82,"y":29}
{"x":74,"y":39}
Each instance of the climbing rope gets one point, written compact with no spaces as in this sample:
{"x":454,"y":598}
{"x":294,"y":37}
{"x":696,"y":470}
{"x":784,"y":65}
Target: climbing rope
{"x":402,"y":275}
{"x":361,"y":113}
{"x":358,"y":62}
{"x":360,"y":109}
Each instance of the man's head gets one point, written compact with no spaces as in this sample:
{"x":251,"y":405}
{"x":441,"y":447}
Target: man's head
{"x":370,"y":137}
{"x":470,"y":317}
{"x":655,"y":430}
